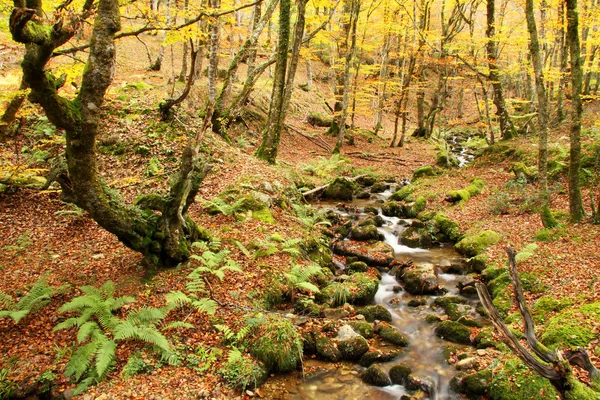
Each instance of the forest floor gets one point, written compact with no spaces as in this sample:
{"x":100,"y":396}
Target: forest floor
{"x":39,"y":234}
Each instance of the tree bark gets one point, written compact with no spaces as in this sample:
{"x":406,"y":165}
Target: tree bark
{"x":269,"y":146}
{"x":164,"y":239}
{"x":575,"y":201}
{"x":507,"y":128}
{"x":543,"y":114}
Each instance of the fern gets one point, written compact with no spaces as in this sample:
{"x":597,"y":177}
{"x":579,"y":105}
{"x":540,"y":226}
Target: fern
{"x":291,"y":247}
{"x":219,"y":205}
{"x":39,"y":296}
{"x":100,"y":331}
{"x":299,"y":278}
{"x":310,"y":217}
{"x":526,"y":252}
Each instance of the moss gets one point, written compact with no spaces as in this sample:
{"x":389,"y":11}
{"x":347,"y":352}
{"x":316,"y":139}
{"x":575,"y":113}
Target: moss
{"x":376,"y":312}
{"x":356,"y":266}
{"x":432,"y":318}
{"x":548,"y":219}
{"x":453,"y":332}
{"x":375,"y":376}
{"x":368,"y":232}
{"x":471,"y":246}
{"x":326,"y":348}
{"x":340,"y":189}
{"x":276,"y":343}
{"x":523,"y":172}
{"x":353,"y":349}
{"x":579,"y":391}
{"x":443,"y":301}
{"x":379,"y":187}
{"x":426,"y":170}
{"x":573,"y":327}
{"x":514,"y":381}
{"x":447,"y":226}
{"x":477,"y":383}
{"x":392,"y":335}
{"x":365,"y":329}
{"x":263,"y":214}
{"x":458,"y":196}
{"x":442,"y":160}
{"x":492,"y":273}
{"x":402,"y":194}
{"x":546,"y":305}
{"x":477,"y":263}
{"x":399,"y":373}
{"x":484,"y":339}
{"x":420,"y":204}
{"x":467,"y":321}
{"x":307,"y":307}
{"x":476,"y":187}
{"x":243,"y":373}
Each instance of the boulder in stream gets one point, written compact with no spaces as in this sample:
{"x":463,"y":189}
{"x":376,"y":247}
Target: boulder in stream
{"x":471,"y":246}
{"x":415,"y":236}
{"x":454,"y":332}
{"x":419,"y":279}
{"x":359,"y":289}
{"x":376,"y":376}
{"x":352,"y":349}
{"x":477,"y":384}
{"x":365,"y":329}
{"x":379,"y":253}
{"x":376,"y":312}
{"x":379,"y":187}
{"x":356,"y":266}
{"x":399,"y":374}
{"x":340,"y":189}
{"x":365,"y":232}
{"x":326,"y":348}
{"x":392,"y":335}
{"x":378,"y":356}
{"x":346,"y":332}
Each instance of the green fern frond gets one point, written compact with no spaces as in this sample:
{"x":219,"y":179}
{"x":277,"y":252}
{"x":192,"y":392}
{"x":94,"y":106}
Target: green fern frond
{"x":38,"y":296}
{"x":107,"y":289}
{"x":7,"y":302}
{"x":84,"y":385}
{"x":243,"y":249}
{"x":125,"y":330}
{"x":146,"y":315}
{"x":105,"y":357}
{"x":234,"y":356}
{"x":308,"y":286}
{"x":69,"y":323}
{"x":121,"y":301}
{"x":178,"y":297}
{"x":178,"y":324}
{"x":154,"y":337}
{"x":85,"y":330}
{"x":81,"y":360}
{"x":204,"y":305}
{"x":81,"y":302}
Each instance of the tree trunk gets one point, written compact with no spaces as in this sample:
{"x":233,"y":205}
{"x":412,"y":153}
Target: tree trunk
{"x":164,"y":239}
{"x":256,"y":17}
{"x":351,"y":36}
{"x":543,"y":114}
{"x":213,"y":63}
{"x":507,"y":128}
{"x":564,"y":57}
{"x":268,"y":148}
{"x":10,"y":114}
{"x":294,"y":56}
{"x":575,"y":201}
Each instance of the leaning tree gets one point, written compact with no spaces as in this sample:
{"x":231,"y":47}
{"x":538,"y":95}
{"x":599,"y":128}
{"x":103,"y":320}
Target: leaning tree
{"x":158,"y":226}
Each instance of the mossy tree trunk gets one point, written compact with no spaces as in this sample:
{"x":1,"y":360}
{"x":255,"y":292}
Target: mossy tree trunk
{"x":543,"y":113}
{"x":163,"y":238}
{"x":270,"y":140}
{"x":575,"y":201}
{"x":507,"y":128}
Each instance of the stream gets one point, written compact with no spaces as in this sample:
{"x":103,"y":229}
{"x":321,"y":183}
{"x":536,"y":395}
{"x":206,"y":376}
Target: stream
{"x":425,"y":354}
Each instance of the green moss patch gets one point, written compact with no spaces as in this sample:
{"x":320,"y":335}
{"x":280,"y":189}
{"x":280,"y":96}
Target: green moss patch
{"x":473,"y":245}
{"x":277,"y":343}
{"x":573,"y":327}
{"x":514,"y":381}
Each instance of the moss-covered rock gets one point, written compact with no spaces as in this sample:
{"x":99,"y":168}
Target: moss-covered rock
{"x":376,"y":376}
{"x":416,"y":237}
{"x":376,"y":312}
{"x":358,"y":289}
{"x":471,"y":246}
{"x":546,"y":305}
{"x":458,"y":196}
{"x":243,"y":373}
{"x":379,"y":187}
{"x":353,"y":349}
{"x":573,"y":327}
{"x":340,"y":189}
{"x":443,"y":160}
{"x":523,"y":172}
{"x":399,"y":373}
{"x":307,"y":307}
{"x":468,"y":321}
{"x":453,"y":332}
{"x":420,"y":279}
{"x":366,"y":232}
{"x":356,"y":266}
{"x":476,"y":187}
{"x":478,"y":263}
{"x":484,"y":339}
{"x":443,"y":301}
{"x":514,"y":381}
{"x":378,"y":356}
{"x":392,"y":335}
{"x":426,"y":170}
{"x":403,"y":194}
{"x":276,"y":342}
{"x":472,"y":385}
{"x":432,"y":318}
{"x":365,"y":329}
{"x":318,"y":250}
{"x":326,"y":348}
{"x":447,"y":227}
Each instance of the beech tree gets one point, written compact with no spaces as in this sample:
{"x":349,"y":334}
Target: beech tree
{"x":157,"y":226}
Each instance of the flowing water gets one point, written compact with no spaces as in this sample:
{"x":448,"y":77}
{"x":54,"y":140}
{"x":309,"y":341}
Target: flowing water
{"x":425,"y":353}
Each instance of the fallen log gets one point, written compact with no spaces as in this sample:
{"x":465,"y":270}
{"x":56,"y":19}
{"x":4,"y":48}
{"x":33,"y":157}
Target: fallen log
{"x":323,"y":187}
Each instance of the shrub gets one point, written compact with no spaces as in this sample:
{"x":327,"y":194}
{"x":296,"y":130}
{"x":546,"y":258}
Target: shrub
{"x":276,"y":342}
{"x":242,"y":371}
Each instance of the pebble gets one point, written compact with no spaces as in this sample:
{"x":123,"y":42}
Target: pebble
{"x":481,"y":352}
